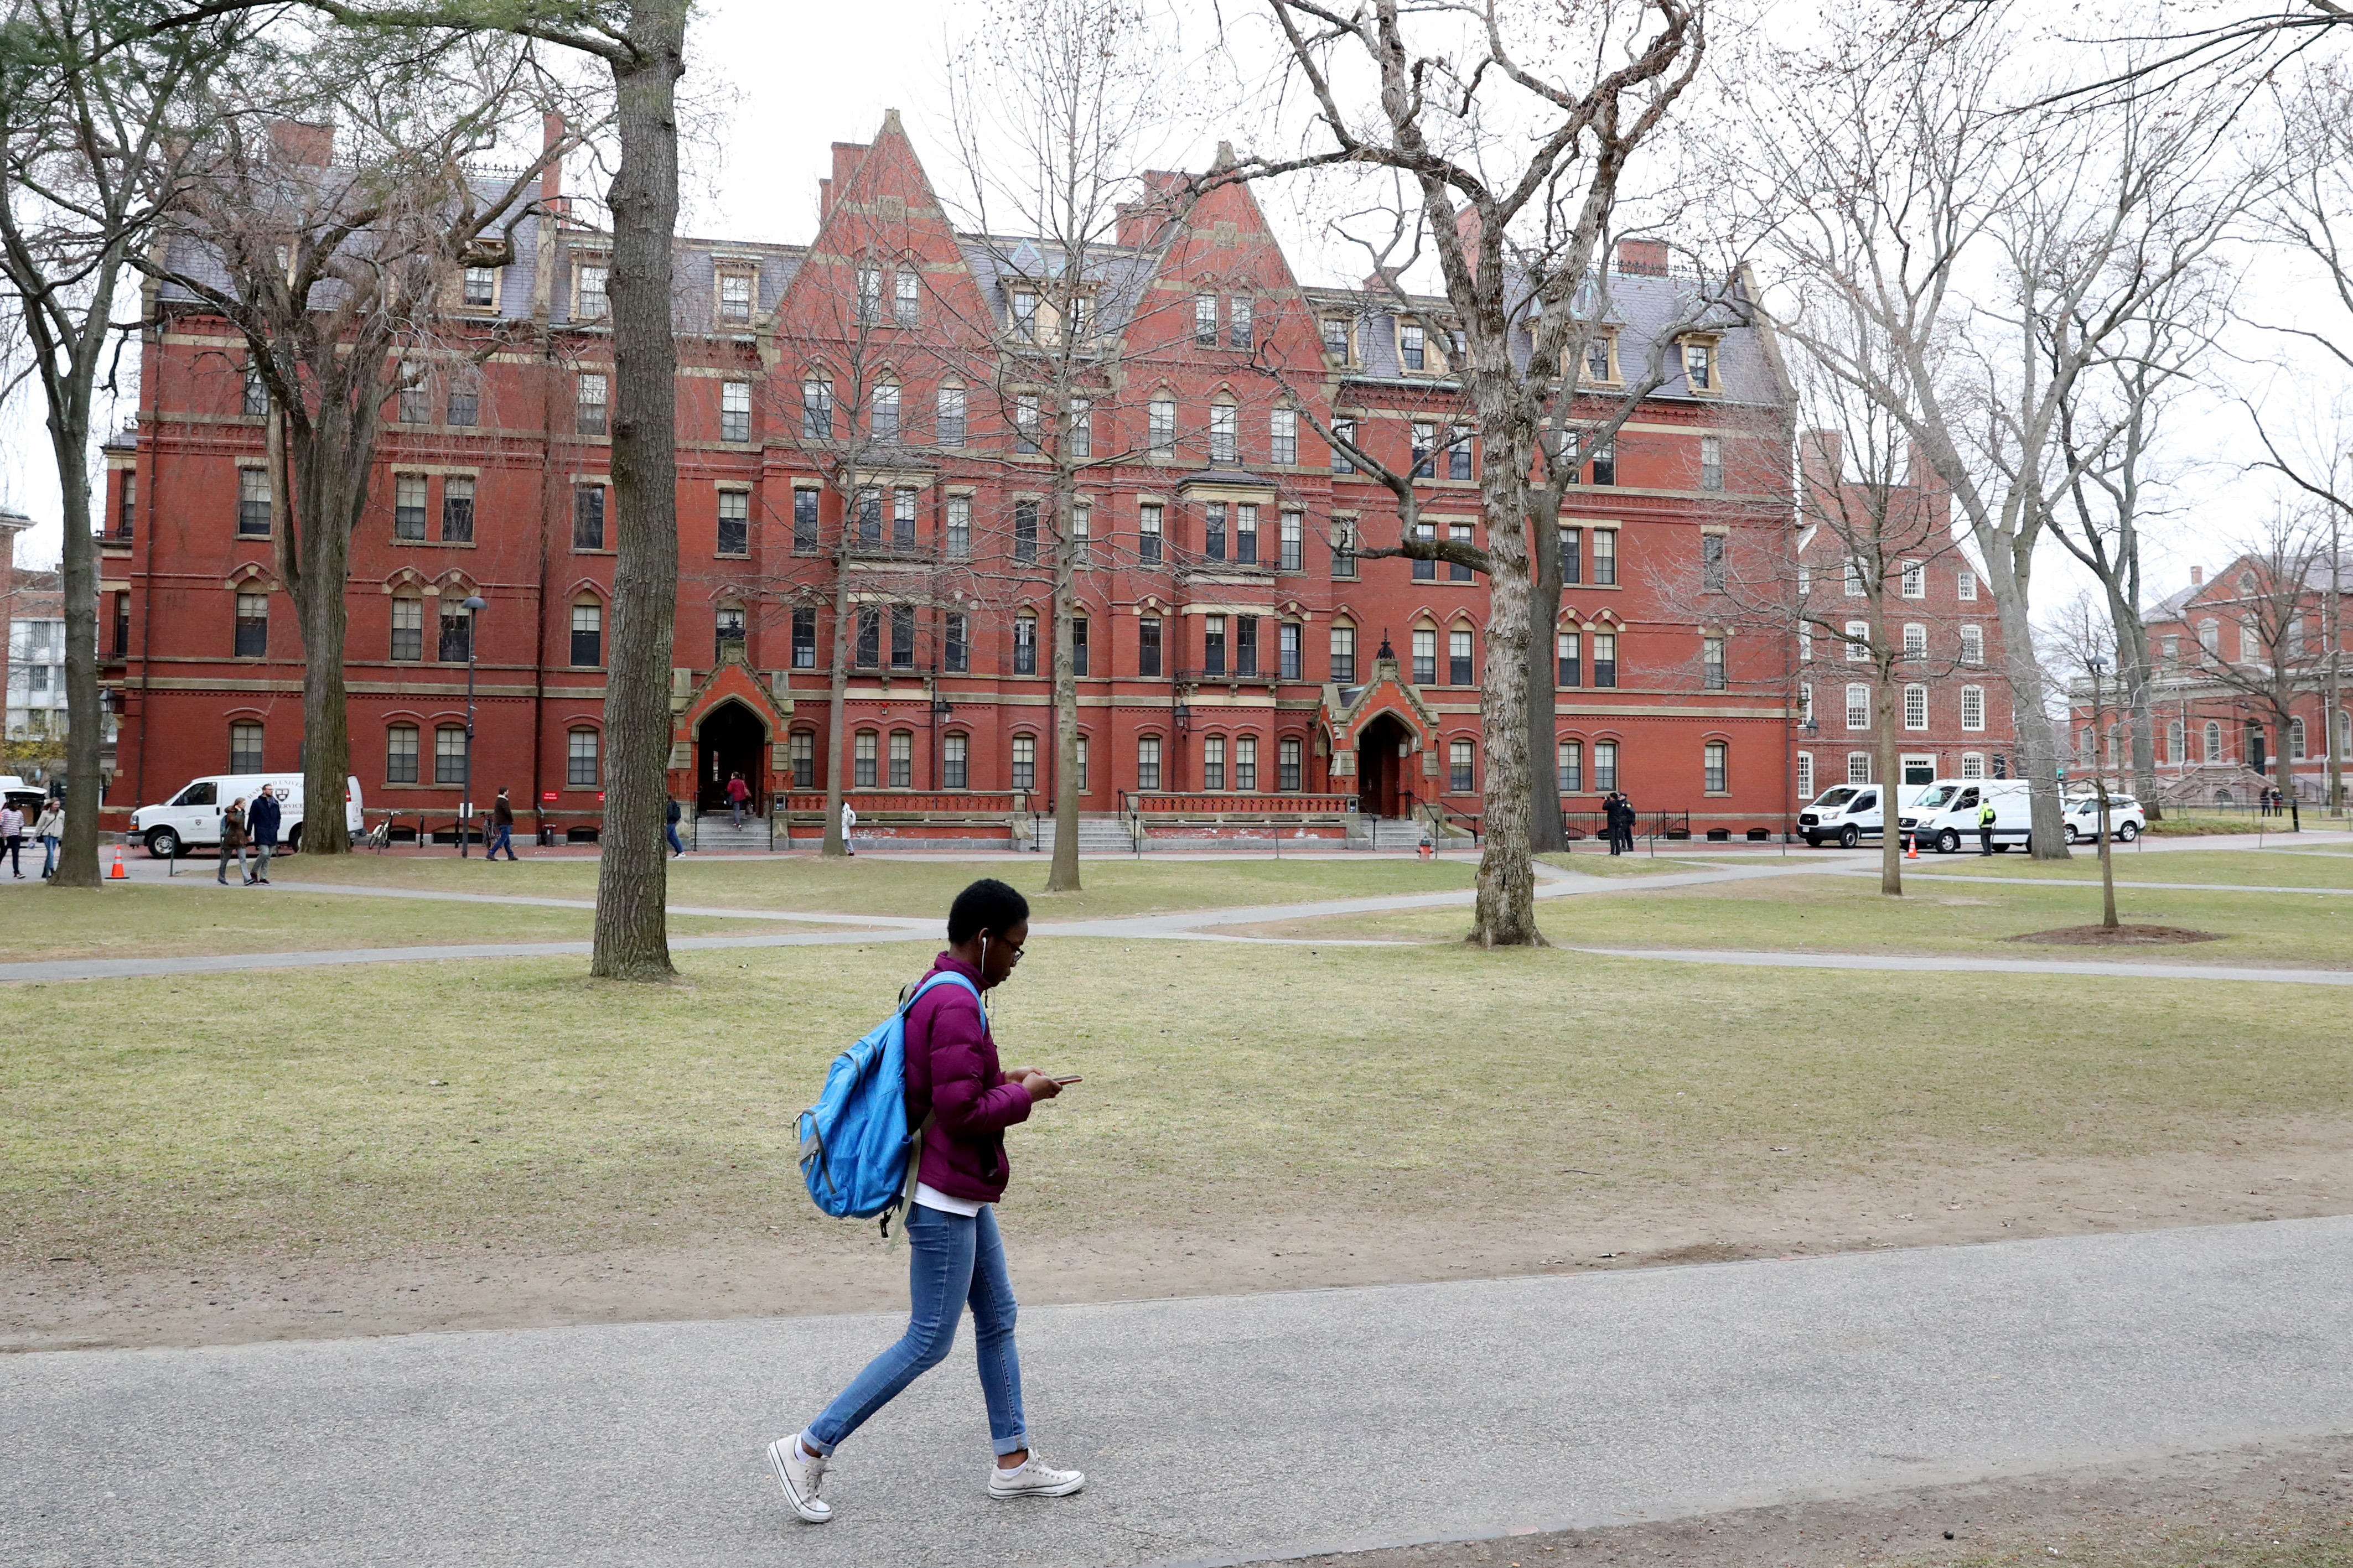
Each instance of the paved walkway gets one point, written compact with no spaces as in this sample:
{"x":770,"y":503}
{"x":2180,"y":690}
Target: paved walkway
{"x":1218,"y":1430}
{"x":1921,"y":964}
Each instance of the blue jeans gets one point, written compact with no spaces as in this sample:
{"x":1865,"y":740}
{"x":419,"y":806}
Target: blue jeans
{"x":503,"y":839}
{"x":669,"y":830}
{"x":955,"y":1260}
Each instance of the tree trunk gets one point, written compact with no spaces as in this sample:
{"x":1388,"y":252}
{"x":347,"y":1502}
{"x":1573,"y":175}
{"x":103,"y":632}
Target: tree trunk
{"x":1506,"y":912}
{"x":836,"y":844}
{"x":69,"y":439}
{"x":632,"y":875}
{"x":2037,"y":747}
{"x":317,"y":506}
{"x":1548,"y":832}
{"x":1890,"y":765}
{"x":1063,"y":876}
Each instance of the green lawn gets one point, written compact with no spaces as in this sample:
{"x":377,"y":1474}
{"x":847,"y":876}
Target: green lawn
{"x":868,"y":885}
{"x":195,"y":915}
{"x":2245,"y":867}
{"x":1590,"y":863}
{"x":391,"y":1107}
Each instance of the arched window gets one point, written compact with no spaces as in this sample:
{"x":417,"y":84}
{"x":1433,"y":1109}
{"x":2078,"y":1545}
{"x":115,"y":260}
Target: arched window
{"x":2174,"y":741}
{"x":2210,"y":635}
{"x":1081,"y":763}
{"x":583,"y":760}
{"x":400,"y":754}
{"x":1025,"y":762}
{"x":587,"y":631}
{"x":1225,"y":427}
{"x":2295,"y":740}
{"x":2213,"y":741}
{"x":407,"y":627}
{"x":244,"y":747}
{"x":1025,"y":644}
{"x":863,"y":760}
{"x":882,"y":418}
{"x":903,"y":759}
{"x":1213,"y":763}
{"x":1717,"y":768}
{"x":956,"y":763}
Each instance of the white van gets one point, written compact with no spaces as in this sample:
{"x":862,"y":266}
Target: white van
{"x":1944,"y":815}
{"x":193,"y":817}
{"x":1850,"y":813}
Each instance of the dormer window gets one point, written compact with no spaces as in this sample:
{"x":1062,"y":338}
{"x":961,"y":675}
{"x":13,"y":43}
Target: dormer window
{"x":1699,"y":366}
{"x":1601,"y":357}
{"x":1458,"y":349}
{"x":1082,"y":327}
{"x":1412,"y":350}
{"x":734,"y":296}
{"x":1335,"y":338}
{"x":590,"y":302}
{"x":1025,"y":314}
{"x":482,"y":288}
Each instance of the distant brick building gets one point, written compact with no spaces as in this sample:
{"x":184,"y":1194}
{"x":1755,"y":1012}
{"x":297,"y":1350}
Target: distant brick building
{"x":1230,"y":648}
{"x":33,"y":664}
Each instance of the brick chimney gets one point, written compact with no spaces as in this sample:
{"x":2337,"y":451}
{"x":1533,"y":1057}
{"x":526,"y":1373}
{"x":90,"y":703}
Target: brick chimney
{"x":2198,"y":576}
{"x":847,"y":156}
{"x":1643,"y":257}
{"x":551,"y":179}
{"x":301,"y":146}
{"x":1470,"y":230}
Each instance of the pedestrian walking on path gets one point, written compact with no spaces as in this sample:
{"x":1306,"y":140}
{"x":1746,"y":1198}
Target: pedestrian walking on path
{"x":963,"y":1103}
{"x":739,"y":795}
{"x":232,"y":842}
{"x":261,"y":823}
{"x":12,"y":838}
{"x":501,"y":827}
{"x":669,"y":828}
{"x":50,"y":826}
{"x":849,"y":824}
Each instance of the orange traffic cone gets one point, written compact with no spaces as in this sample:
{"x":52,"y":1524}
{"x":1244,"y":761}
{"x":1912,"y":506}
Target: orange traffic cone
{"x":1911,"y":846}
{"x":118,"y":874}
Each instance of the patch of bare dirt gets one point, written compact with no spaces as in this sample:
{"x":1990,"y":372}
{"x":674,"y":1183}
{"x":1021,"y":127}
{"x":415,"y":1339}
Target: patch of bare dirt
{"x":2119,"y":936}
{"x":2271,"y":1506}
{"x":2285,"y":1171}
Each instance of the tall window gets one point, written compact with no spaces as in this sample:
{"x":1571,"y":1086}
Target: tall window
{"x":1569,"y":767}
{"x":415,"y":397}
{"x":2213,"y":741}
{"x":1024,"y":531}
{"x":1425,"y":658}
{"x":817,"y":409}
{"x":1344,"y":547}
{"x":590,"y":393}
{"x":253,"y":626}
{"x":955,"y":643}
{"x":1858,"y":641}
{"x":1292,"y":528}
{"x":1605,"y":557}
{"x":1025,"y":315}
{"x":1858,"y":767}
{"x":1711,"y":561}
{"x":1025,"y":422}
{"x":1572,"y":556}
{"x":1025,"y":644}
{"x":1082,"y":428}
{"x":1082,"y":530}
{"x":1566,"y":658}
{"x":1805,"y":775}
{"x":1238,"y":322}
{"x":903,"y":759}
{"x":1147,"y":645}
{"x":1456,"y":572}
{"x":1915,"y":580}
{"x":1458,"y":454}
{"x":1246,"y":535}
{"x":735,"y":523}
{"x":950,"y":431}
{"x":457,"y":510}
{"x":457,"y":642}
{"x":589,"y":517}
{"x":1605,"y":766}
{"x":465,"y":402}
{"x":1915,"y":640}
{"x":1412,"y":348}
{"x":1342,"y":430}
{"x":408,"y":506}
{"x":1425,"y":571}
{"x":805,"y":521}
{"x":902,"y":519}
{"x":1287,"y":770}
{"x":1343,"y":654}
{"x":2174,"y":743}
{"x":802,"y":751}
{"x":869,"y":301}
{"x":1711,"y":652}
{"x":1290,"y":650}
{"x":1458,"y":767}
{"x":245,"y":748}
{"x":1968,"y":583}
{"x":862,"y":759}
{"x":907,"y":297}
{"x":1079,"y":645}
{"x":127,"y":506}
{"x":1853,"y":580}
{"x":882,"y":417}
{"x":1716,"y":767}
{"x":1972,"y":645}
{"x":253,"y":503}
{"x":1162,"y":414}
{"x":735,"y":410}
{"x":407,"y":627}
{"x":450,"y":754}
{"x":1973,"y":708}
{"x":1858,"y":705}
{"x":1224,"y":441}
{"x":1699,"y":366}
{"x":1805,"y":702}
{"x":868,"y":653}
{"x":1425,"y":451}
{"x":1282,"y":437}
{"x":1605,"y":659}
{"x":727,"y":632}
{"x":1711,"y":462}
{"x":593,"y":303}
{"x":1458,"y":657}
{"x":1025,"y":762}
{"x":1245,"y":645}
{"x":734,"y":297}
{"x":1213,"y":643}
{"x":1916,"y":707}
{"x":1213,"y":531}
{"x":253,"y":403}
{"x":1604,"y":464}
{"x":1147,"y":762}
{"x":587,"y":633}
{"x":805,"y":639}
{"x":1336,"y":337}
{"x":1205,"y":320}
{"x":1213,"y":763}
{"x":400,"y":754}
{"x":1246,"y":762}
{"x":956,"y":763}
{"x":959,"y":527}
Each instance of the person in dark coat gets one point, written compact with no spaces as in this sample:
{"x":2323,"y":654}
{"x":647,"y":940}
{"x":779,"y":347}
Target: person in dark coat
{"x":261,"y":823}
{"x":232,"y":842}
{"x":669,"y":828}
{"x":501,"y":827}
{"x":1625,"y":825}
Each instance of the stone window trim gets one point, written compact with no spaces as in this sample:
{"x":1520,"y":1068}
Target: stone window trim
{"x":1607,"y":339}
{"x":1713,"y":342}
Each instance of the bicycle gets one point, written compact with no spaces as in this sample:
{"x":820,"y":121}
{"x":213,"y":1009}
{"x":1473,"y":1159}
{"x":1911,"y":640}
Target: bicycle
{"x":379,"y":835}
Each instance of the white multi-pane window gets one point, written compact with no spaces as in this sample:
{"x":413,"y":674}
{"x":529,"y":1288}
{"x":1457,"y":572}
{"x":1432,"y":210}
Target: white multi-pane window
{"x":1283,"y":435}
{"x":1972,"y":707}
{"x":1025,"y":421}
{"x":1213,"y":763}
{"x":1915,"y":640}
{"x":735,"y":297}
{"x":1161,"y":428}
{"x":1805,"y":775}
{"x":903,"y":759}
{"x":907,"y":307}
{"x":959,"y":527}
{"x":869,"y":294}
{"x":735,"y":410}
{"x":1711,"y":462}
{"x":1858,"y":641}
{"x":1806,"y":643}
{"x":1605,"y":557}
{"x":1224,"y":433}
{"x":1805,"y":702}
{"x":1147,"y":532}
{"x":735,"y":522}
{"x":1717,"y":768}
{"x":1916,"y":707}
{"x":949,"y":430}
{"x":1246,"y":762}
{"x":2176,"y":742}
{"x":590,"y":398}
{"x":1853,"y":578}
{"x":863,"y":760}
{"x":1147,"y":762}
{"x":1238,"y":322}
{"x":1972,"y":645}
{"x":1858,"y":767}
{"x":2213,"y":741}
{"x":1915,"y":580}
{"x":1968,"y":583}
{"x":1205,"y":320}
{"x":1082,"y":763}
{"x":482,"y":288}
{"x":1293,"y":530}
{"x":407,"y":627}
{"x":1858,"y":705}
{"x":1973,"y":764}
{"x":1461,"y":767}
{"x":245,"y":748}
{"x":1569,"y":767}
{"x":408,"y":506}
{"x":1344,"y":654}
{"x":593,"y":303}
{"x":400,"y":754}
{"x":1712,"y":676}
{"x":955,"y":761}
{"x":1411,"y":348}
{"x":1605,"y":766}
{"x":1081,"y":435}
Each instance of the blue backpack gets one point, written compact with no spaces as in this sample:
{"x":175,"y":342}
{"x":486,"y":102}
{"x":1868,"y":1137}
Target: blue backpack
{"x":857,"y":1155}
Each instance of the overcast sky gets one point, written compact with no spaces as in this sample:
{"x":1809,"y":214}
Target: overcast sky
{"x":785,"y":82}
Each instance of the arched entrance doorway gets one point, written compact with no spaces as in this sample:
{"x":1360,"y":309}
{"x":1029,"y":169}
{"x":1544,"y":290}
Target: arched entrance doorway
{"x":731,"y":740}
{"x":1380,"y":770}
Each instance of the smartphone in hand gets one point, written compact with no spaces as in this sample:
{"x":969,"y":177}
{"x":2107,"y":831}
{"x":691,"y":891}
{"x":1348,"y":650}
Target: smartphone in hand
{"x":1072,"y":1079}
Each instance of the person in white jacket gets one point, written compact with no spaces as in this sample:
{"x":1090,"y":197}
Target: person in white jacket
{"x":849,"y":822}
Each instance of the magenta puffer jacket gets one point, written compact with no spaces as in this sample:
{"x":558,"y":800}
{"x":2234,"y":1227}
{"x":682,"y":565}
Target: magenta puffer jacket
{"x":952,"y":1072}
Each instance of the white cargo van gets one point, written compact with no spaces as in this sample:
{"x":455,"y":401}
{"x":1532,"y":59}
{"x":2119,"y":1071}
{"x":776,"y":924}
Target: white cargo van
{"x":1944,"y":815}
{"x":1850,"y":814}
{"x":193,"y":817}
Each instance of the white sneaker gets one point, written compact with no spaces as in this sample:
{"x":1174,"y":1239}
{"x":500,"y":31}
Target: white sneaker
{"x":800,"y":1475}
{"x":1034,"y":1478}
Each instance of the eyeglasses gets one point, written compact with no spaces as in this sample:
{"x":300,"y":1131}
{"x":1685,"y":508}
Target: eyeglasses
{"x":1016,"y":947}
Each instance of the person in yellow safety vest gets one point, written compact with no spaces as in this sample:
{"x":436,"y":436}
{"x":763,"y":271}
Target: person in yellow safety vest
{"x":1985,"y":828}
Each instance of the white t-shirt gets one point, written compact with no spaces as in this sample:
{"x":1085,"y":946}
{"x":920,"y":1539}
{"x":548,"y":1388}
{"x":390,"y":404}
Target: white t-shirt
{"x":931,"y":1197}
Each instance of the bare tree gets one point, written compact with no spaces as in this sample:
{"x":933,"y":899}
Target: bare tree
{"x":97,"y":115}
{"x":1582,"y":89}
{"x":2281,"y":658}
{"x":2082,"y":644}
{"x":336,"y":270}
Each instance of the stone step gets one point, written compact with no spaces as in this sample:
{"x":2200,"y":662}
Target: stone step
{"x":1097,"y":836}
{"x":720,"y":834}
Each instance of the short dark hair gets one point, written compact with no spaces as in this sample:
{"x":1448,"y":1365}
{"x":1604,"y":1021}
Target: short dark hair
{"x":988,"y":905}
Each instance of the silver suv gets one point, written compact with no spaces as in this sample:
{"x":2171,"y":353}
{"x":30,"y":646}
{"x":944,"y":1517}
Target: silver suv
{"x":2126,"y":819}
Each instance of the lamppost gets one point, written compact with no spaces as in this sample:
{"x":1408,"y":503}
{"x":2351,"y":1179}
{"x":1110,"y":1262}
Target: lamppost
{"x":473,"y":606}
{"x":1809,"y":729}
{"x":942,"y":711}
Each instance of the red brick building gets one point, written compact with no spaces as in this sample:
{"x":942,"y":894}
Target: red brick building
{"x":1230,"y":652}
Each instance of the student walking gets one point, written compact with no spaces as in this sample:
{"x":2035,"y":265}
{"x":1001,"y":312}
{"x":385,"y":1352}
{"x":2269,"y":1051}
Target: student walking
{"x":233,"y":842}
{"x":963,"y":1103}
{"x":739,"y":794}
{"x":849,"y":822}
{"x":12,"y":838}
{"x":261,"y":825}
{"x":47,"y":830}
{"x":501,"y":827}
{"x":669,"y":828}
